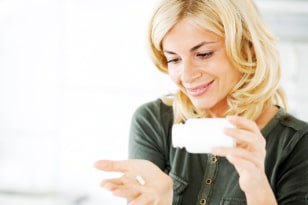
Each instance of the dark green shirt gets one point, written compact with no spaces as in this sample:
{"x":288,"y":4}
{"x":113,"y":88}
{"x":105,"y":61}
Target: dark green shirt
{"x":207,"y":179}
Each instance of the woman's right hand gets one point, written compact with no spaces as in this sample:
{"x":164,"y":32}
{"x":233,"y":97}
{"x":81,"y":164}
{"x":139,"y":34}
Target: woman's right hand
{"x":157,"y":188}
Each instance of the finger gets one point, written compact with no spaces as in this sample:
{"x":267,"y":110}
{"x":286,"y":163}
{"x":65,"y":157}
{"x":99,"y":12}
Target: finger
{"x":127,"y":191}
{"x":112,"y":166}
{"x":240,"y":135}
{"x":123,"y":191}
{"x":125,"y":187}
{"x":246,"y":167}
{"x":110,"y":184}
{"x":241,"y":159}
{"x":241,"y":165}
{"x":125,"y":179}
{"x":238,"y":153}
{"x":130,"y":188}
{"x":243,"y":123}
{"x":246,"y":137}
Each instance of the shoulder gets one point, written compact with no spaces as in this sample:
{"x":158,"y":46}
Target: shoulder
{"x":155,"y":109}
{"x":286,"y":133}
{"x":291,"y":122}
{"x":150,"y":128}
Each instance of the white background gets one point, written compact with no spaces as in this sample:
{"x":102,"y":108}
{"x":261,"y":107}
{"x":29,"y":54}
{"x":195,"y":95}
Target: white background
{"x":71,"y":74}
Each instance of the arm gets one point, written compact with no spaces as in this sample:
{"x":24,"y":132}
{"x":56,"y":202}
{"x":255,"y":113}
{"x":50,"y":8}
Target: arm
{"x":292,"y":181}
{"x":148,"y":137}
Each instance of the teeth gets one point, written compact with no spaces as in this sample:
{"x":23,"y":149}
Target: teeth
{"x":200,"y":89}
{"x":196,"y":91}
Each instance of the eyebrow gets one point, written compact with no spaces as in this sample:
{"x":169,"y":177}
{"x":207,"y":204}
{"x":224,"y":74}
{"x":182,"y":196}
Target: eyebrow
{"x":193,"y":48}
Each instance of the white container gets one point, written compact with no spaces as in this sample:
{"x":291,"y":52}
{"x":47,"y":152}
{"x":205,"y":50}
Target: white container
{"x":201,"y":135}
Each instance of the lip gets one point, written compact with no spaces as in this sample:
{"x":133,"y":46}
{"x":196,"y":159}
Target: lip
{"x":199,"y":90}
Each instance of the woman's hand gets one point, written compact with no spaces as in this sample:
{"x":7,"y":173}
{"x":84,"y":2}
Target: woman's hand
{"x":249,"y":154}
{"x":154,"y":187}
{"x":248,"y":157}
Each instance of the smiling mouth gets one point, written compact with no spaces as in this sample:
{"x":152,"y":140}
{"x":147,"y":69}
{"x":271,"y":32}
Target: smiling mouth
{"x":195,"y":92}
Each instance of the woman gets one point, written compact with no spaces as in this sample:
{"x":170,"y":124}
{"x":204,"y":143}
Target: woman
{"x":225,"y":64}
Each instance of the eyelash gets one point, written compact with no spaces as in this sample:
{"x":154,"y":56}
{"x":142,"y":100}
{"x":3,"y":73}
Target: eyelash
{"x":205,"y":55}
{"x":201,"y":55}
{"x":175,"y":60}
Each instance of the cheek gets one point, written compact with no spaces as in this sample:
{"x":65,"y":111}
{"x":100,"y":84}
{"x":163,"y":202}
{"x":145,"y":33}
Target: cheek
{"x":236,"y":77}
{"x":231,"y":81}
{"x":174,"y":76}
{"x":231,"y":75}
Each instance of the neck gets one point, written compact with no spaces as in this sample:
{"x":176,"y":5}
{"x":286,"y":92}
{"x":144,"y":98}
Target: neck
{"x":267,"y":114}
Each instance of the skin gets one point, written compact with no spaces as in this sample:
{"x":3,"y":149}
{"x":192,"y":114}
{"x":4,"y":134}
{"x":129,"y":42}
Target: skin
{"x":199,"y":66}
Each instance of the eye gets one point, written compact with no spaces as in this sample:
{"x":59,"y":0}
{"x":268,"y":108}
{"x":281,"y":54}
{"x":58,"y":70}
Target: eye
{"x":173,"y":60}
{"x":205,"y":55}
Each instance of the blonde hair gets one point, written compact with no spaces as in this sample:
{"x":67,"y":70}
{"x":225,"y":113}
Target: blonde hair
{"x":249,"y":46}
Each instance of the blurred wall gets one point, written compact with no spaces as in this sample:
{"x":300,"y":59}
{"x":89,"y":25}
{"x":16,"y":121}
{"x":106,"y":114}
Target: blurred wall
{"x":288,"y":20}
{"x":71,"y":74}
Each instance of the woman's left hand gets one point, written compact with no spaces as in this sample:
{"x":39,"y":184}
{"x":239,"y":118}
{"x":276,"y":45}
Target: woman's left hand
{"x":248,"y":156}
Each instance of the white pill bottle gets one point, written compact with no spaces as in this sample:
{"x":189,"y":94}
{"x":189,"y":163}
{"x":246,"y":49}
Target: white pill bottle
{"x":200,"y":135}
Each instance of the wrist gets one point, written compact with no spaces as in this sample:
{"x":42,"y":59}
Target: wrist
{"x":262,"y":195}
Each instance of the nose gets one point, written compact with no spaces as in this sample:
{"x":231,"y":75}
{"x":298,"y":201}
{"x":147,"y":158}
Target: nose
{"x":190,"y":72}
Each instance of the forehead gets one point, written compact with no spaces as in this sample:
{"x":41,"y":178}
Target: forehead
{"x":185,"y":34}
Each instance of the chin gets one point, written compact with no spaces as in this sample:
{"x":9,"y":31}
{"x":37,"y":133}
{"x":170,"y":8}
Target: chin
{"x":201,"y":105}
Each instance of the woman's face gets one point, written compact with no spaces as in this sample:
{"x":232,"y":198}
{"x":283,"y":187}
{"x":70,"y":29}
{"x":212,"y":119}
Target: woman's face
{"x":198,"y":64}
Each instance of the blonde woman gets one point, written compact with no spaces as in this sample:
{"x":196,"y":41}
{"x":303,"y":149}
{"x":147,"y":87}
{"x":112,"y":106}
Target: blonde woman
{"x":226,"y":65}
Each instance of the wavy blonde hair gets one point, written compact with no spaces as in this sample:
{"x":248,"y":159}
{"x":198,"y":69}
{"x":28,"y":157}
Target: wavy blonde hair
{"x":249,"y":46}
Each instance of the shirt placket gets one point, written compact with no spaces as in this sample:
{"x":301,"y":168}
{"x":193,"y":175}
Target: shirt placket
{"x":208,"y":179}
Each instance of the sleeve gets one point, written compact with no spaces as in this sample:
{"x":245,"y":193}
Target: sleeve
{"x":148,"y":138}
{"x":292,"y":186}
